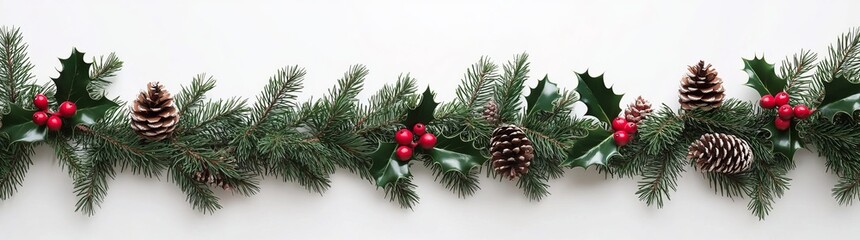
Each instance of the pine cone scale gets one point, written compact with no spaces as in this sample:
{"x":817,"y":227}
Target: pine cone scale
{"x":511,"y":151}
{"x":154,"y":116}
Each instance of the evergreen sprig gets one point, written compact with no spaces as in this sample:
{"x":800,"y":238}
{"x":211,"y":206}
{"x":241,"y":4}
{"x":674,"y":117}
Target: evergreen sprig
{"x":843,"y":59}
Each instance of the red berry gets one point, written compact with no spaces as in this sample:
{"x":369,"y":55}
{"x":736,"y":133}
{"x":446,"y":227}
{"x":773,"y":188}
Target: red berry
{"x":621,"y":138}
{"x":41,"y":102}
{"x":781,"y":98}
{"x":55,"y":123}
{"x":631,"y":128}
{"x":801,"y":111}
{"x":767,"y":102}
{"x":619,"y":123}
{"x":67,"y":109}
{"x":781,"y":124}
{"x":785,"y":112}
{"x":40,"y":118}
{"x":404,"y":153}
{"x":427,"y":141}
{"x":419,"y":129}
{"x":403,"y":137}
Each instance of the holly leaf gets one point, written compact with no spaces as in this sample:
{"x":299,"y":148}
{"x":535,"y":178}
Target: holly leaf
{"x":19,"y":127}
{"x":542,"y":96}
{"x":454,"y":154}
{"x":596,"y":148}
{"x":840,"y":96}
{"x":601,"y":101}
{"x":423,"y":113}
{"x":72,"y":86}
{"x":386,"y":168}
{"x":785,"y":142}
{"x":762,"y":77}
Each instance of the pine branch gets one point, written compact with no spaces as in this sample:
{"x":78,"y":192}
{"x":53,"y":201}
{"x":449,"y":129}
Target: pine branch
{"x":386,"y":108}
{"x":534,"y":186}
{"x":14,"y":162}
{"x":402,"y":191}
{"x":15,"y":66}
{"x":463,"y":184}
{"x":509,"y":90}
{"x":843,"y":59}
{"x":215,"y":118}
{"x":66,"y":153}
{"x":803,"y":87}
{"x":192,"y":96}
{"x":768,"y":183}
{"x":198,"y":194}
{"x":91,"y":185}
{"x":294,"y":159}
{"x":476,"y":87}
{"x":836,"y":141}
{"x":102,"y":69}
{"x":278,"y":95}
{"x":660,"y":130}
{"x":660,"y":175}
{"x":337,"y":107}
{"x":848,"y":189}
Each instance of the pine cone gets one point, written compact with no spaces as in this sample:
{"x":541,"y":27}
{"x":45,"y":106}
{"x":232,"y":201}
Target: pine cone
{"x":701,"y":88}
{"x":491,"y":112}
{"x":511,"y":151}
{"x":721,"y":153}
{"x":638,"y":110}
{"x":154,"y":116}
{"x":205,"y":176}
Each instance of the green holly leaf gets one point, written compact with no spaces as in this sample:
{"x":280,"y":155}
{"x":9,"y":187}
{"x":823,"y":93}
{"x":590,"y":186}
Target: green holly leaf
{"x":19,"y":127}
{"x":601,"y":101}
{"x":762,"y":77}
{"x":423,"y":113}
{"x":596,"y":148}
{"x":386,"y":168}
{"x":840,"y":96}
{"x":72,"y":86}
{"x":542,"y":96}
{"x":785,"y":142}
{"x":454,"y":154}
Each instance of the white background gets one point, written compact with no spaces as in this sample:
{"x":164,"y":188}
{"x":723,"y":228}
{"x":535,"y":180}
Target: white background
{"x":642,"y":46}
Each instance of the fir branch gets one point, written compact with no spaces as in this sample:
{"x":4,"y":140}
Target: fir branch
{"x":215,"y":118}
{"x":476,"y":87}
{"x":509,"y":90}
{"x":91,"y":185}
{"x":15,"y":160}
{"x":660,"y":130}
{"x":848,"y":189}
{"x":338,"y":104}
{"x":660,"y":175}
{"x":66,"y":153}
{"x":387,"y":108}
{"x":728,"y":185}
{"x":803,"y":87}
{"x":843,"y":59}
{"x":102,"y":69}
{"x":768,"y":182}
{"x":294,"y":159}
{"x":463,"y":184}
{"x":402,"y":191}
{"x":836,"y":141}
{"x":192,"y":96}
{"x":15,"y":66}
{"x":278,"y":95}
{"x":198,"y":194}
{"x":534,"y":186}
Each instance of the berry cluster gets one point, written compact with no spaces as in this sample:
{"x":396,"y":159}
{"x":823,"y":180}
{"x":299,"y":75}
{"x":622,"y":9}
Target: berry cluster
{"x":52,"y":119}
{"x":784,"y":111}
{"x":624,"y":130}
{"x":408,"y":140}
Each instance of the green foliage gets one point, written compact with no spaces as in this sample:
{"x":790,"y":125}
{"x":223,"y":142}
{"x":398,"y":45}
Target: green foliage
{"x":15,"y":68}
{"x":803,"y":88}
{"x":762,"y":77}
{"x":332,"y":119}
{"x":843,"y":59}
{"x":15,"y":160}
{"x":508,"y":91}
{"x":541,"y":97}
{"x":602,"y":102}
{"x":103,"y":68}
{"x":377,"y":120}
{"x":72,"y":85}
{"x":424,"y":112}
{"x":841,"y":96}
{"x":201,"y":144}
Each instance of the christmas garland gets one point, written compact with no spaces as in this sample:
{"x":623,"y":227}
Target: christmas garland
{"x":745,"y":149}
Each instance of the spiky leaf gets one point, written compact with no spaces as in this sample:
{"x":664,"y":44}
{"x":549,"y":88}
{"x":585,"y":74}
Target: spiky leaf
{"x":541,"y":97}
{"x":72,"y":85}
{"x":19,"y":126}
{"x":840,"y":96}
{"x":596,"y":148}
{"x":762,"y":77}
{"x":386,"y":168}
{"x":423,"y":113}
{"x":454,"y":154}
{"x":601,"y":101}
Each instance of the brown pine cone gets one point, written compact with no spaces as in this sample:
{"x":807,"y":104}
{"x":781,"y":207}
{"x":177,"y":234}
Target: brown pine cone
{"x":721,"y":153}
{"x":701,"y":88}
{"x":511,"y":151}
{"x":153,"y":115}
{"x":637,"y":110}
